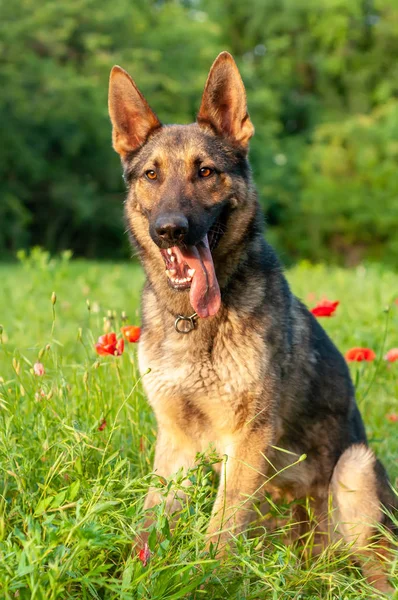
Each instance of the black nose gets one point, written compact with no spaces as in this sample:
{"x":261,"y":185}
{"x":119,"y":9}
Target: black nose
{"x":171,"y":227}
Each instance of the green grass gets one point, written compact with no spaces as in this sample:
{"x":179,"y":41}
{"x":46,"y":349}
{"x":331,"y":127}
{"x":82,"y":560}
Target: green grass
{"x":71,"y":496}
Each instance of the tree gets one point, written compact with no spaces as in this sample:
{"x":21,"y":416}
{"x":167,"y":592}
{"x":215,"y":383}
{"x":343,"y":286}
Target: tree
{"x":311,"y":69}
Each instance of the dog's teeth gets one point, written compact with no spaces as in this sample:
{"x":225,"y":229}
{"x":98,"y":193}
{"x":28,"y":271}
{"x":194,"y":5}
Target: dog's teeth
{"x":171,"y":274}
{"x":191,"y":272}
{"x":169,"y":251}
{"x":172,"y":258}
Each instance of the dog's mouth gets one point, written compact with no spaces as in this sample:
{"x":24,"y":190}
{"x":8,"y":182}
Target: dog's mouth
{"x":192,"y":267}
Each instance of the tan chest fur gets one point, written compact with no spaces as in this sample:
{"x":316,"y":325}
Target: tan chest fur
{"x":200,"y":391}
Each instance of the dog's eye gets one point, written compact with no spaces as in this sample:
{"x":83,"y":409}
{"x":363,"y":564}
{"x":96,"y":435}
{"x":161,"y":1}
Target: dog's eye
{"x":205,"y":172}
{"x":151,"y":175}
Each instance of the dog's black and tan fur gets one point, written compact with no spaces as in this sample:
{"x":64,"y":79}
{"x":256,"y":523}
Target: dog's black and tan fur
{"x":261,"y":372}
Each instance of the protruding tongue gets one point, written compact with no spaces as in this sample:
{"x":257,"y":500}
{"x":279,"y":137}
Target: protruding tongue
{"x":205,"y":294}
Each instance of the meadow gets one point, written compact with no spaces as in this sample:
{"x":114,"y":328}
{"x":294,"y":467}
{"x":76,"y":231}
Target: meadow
{"x":76,"y":444}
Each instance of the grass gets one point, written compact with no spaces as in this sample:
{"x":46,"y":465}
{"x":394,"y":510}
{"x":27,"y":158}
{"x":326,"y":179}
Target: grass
{"x":71,"y":494}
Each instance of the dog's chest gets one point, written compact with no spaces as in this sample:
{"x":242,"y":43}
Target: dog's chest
{"x":192,"y":381}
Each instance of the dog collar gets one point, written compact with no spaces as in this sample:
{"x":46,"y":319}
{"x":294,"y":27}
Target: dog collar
{"x":185,"y":324}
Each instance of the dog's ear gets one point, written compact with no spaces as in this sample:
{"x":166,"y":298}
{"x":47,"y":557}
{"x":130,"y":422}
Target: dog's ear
{"x":132,"y":118}
{"x":223,"y":107}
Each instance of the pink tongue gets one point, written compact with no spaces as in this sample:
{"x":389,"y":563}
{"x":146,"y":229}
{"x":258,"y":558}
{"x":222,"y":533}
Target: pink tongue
{"x":205,"y":294}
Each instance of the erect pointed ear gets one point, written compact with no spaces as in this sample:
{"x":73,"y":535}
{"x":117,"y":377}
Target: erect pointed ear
{"x":223,"y":105}
{"x":132,"y":118}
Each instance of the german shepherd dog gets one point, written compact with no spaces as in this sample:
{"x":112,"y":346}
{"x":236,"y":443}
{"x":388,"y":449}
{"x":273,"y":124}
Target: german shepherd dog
{"x":235,"y":359}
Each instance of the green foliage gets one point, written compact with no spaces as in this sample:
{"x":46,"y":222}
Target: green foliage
{"x":312,"y":67}
{"x":315,"y":73}
{"x":61,"y":181}
{"x":71,"y":500}
{"x":351,"y":180}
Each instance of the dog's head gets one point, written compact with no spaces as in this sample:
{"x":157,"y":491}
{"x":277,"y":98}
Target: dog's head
{"x":184,"y":180}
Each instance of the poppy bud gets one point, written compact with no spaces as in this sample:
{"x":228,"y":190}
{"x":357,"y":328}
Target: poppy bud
{"x":53,"y":298}
{"x":38,"y":369}
{"x":144,"y":555}
{"x":16,"y":365}
{"x":102,"y":425}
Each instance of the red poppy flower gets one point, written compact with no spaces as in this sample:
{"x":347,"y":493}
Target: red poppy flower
{"x":360,"y":354}
{"x":131,"y":333}
{"x":392,"y":355}
{"x":109,"y":344}
{"x":325,"y":308}
{"x":102,"y":425}
{"x":144,"y":555}
{"x":393,"y":417}
{"x":38,"y":369}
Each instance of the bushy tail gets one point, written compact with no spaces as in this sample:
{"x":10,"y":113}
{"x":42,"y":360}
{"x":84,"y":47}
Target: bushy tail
{"x":360,"y":489}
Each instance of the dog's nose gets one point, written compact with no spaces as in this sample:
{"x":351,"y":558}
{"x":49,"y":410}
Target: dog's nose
{"x":171,"y":227}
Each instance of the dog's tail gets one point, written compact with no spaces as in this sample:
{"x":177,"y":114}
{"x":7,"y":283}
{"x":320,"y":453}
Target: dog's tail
{"x":362,"y":498}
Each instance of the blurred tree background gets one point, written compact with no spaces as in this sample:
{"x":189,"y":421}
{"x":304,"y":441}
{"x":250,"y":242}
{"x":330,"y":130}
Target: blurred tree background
{"x":322,"y":83}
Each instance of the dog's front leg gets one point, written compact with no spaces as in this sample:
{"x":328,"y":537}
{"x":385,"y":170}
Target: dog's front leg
{"x":172,"y":453}
{"x":241,"y":483}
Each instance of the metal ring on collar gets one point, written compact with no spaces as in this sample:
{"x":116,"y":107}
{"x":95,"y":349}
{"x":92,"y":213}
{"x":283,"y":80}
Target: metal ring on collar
{"x":185,"y":324}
